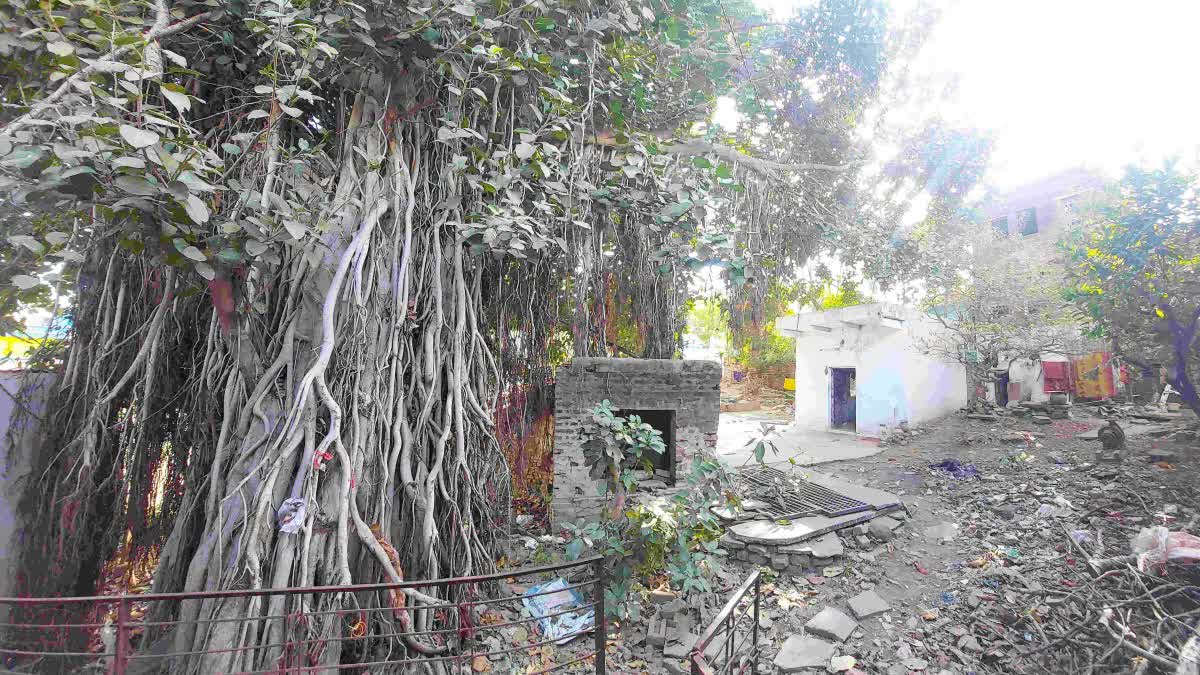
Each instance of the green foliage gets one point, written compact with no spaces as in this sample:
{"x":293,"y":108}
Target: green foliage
{"x":997,"y":304}
{"x":676,"y":536}
{"x":708,"y":319}
{"x":1134,"y":268}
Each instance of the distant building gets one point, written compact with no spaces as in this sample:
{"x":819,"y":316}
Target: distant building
{"x":1041,"y":211}
{"x":1039,"y":214}
{"x":860,"y":369}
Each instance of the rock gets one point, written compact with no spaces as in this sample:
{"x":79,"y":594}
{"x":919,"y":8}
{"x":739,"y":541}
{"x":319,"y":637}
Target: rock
{"x":1005,"y":511}
{"x":680,"y":645}
{"x":969,"y":643}
{"x":868,"y":604}
{"x":672,"y":666}
{"x":880,"y":530}
{"x":1041,"y":419}
{"x":828,"y":545}
{"x":481,"y":664}
{"x":831,"y":623}
{"x":916,"y":664}
{"x":801,"y":651}
{"x":656,"y":632}
{"x":672,"y":608}
{"x":929,"y":614}
{"x":728,"y":542}
{"x":662,"y":597}
{"x":862,"y":541}
{"x":840,"y":664}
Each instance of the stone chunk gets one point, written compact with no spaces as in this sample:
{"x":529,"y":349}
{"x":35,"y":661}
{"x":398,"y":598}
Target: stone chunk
{"x":831,"y":623}
{"x":828,"y":545}
{"x":802,"y":651}
{"x":868,"y":604}
{"x":680,"y":646}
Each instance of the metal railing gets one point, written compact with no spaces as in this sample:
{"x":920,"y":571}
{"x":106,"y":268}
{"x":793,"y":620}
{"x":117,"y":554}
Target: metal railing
{"x":355,"y":629}
{"x":730,"y":643}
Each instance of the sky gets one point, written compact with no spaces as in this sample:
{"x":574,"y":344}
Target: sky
{"x":1066,"y":83}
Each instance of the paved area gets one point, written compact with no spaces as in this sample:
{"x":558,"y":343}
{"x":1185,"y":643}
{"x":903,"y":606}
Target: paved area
{"x":738,"y":433}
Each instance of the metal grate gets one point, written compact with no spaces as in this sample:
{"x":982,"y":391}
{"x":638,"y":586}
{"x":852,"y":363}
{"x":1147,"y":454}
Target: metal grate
{"x":790,"y":497}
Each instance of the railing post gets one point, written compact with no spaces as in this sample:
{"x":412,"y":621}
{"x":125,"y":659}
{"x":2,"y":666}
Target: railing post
{"x":754,"y":637}
{"x":601,"y":623}
{"x":122,"y":647}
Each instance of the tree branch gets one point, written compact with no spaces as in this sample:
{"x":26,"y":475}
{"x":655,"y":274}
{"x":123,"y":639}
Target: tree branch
{"x":766,"y":167}
{"x":154,"y":33}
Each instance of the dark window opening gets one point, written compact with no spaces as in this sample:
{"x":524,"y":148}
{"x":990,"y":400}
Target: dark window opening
{"x":1000,"y":225}
{"x":843,"y":396}
{"x":664,"y":422}
{"x":1027,"y":222}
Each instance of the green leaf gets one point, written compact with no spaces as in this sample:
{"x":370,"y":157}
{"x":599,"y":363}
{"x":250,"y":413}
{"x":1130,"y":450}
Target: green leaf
{"x":724,"y":171}
{"x":60,"y":48}
{"x":431,"y":34}
{"x":138,"y":138}
{"x":544,"y":24}
{"x":205,"y":270}
{"x":193,"y":253}
{"x":574,"y":549}
{"x":196,"y":209}
{"x":135,"y":185}
{"x":701,"y":163}
{"x":176,"y":97}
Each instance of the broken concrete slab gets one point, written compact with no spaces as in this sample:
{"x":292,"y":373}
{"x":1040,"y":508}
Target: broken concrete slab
{"x":868,"y":604}
{"x":828,"y":545}
{"x":681,"y":646}
{"x":880,"y":501}
{"x":801,"y":651}
{"x":831,"y":623}
{"x":771,"y":533}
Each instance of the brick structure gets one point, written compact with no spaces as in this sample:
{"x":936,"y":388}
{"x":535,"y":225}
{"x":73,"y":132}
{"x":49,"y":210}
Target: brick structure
{"x":680,"y":398}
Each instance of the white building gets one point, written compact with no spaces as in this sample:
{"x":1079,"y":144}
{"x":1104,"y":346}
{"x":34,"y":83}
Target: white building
{"x":859,"y":369}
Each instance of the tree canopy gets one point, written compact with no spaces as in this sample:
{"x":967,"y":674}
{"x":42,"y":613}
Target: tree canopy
{"x":1135,"y":272}
{"x":310,"y":246}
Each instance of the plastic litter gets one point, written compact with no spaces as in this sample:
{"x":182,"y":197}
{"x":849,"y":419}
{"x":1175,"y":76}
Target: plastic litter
{"x":568,"y":624}
{"x":1081,"y":536}
{"x":1156,"y":546}
{"x":956,"y":469}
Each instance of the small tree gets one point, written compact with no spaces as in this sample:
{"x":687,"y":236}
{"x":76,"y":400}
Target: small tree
{"x":1000,"y":307}
{"x":708,"y":319}
{"x":1135,"y":273}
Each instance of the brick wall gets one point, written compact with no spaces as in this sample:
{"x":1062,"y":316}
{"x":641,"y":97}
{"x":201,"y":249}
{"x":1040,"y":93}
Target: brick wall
{"x":690,"y":388}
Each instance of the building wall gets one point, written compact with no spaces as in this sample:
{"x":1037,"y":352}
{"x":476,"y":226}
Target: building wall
{"x":1049,"y":197}
{"x":895,"y":381}
{"x":691,"y":388}
{"x":16,"y":456}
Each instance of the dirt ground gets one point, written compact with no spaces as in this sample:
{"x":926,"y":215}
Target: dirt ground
{"x":957,"y":576}
{"x":989,"y":572}
{"x":948,"y":573}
